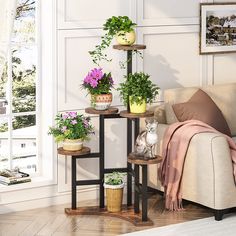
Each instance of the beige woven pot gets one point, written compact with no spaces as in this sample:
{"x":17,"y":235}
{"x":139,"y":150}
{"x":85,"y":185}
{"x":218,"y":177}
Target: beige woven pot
{"x":114,"y":197}
{"x":72,"y":144}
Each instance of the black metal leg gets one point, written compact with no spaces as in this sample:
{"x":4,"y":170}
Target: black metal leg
{"x":129,"y":71}
{"x":136,"y":128}
{"x":73,"y":181}
{"x":219,"y":214}
{"x":129,"y":166}
{"x":144,"y":193}
{"x":136,"y":186}
{"x":101,"y":160}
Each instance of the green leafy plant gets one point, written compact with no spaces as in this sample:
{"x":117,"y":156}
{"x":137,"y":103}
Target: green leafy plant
{"x":115,"y":178}
{"x":71,"y":125}
{"x":138,"y":87}
{"x":112,"y":26}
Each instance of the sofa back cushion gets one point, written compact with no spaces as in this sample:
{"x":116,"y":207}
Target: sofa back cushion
{"x":201,"y":107}
{"x":223,"y":95}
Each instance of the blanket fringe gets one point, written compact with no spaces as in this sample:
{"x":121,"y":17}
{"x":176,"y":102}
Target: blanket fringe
{"x":173,"y":204}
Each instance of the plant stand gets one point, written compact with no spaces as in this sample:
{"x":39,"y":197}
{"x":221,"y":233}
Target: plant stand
{"x":133,"y":123}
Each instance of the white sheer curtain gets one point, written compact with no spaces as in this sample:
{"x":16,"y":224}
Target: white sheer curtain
{"x":7,"y":15}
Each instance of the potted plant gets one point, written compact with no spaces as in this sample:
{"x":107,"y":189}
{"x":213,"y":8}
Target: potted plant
{"x":114,"y":186}
{"x":138,"y":90}
{"x":99,"y":85}
{"x":72,"y":129}
{"x":120,"y":27}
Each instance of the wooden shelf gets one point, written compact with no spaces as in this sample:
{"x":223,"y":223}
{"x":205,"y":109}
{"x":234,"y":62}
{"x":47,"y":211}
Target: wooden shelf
{"x":133,"y":47}
{"x":109,"y":111}
{"x":127,"y":214}
{"x":83,"y":151}
{"x":127,"y":114}
{"x":139,"y":160}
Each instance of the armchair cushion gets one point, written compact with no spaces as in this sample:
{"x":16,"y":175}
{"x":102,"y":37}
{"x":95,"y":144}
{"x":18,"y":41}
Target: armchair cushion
{"x":201,"y":107}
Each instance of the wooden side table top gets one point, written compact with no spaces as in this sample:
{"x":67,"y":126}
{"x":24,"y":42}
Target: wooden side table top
{"x":109,"y":111}
{"x":133,"y":47}
{"x":133,"y":159}
{"x":127,"y":114}
{"x":83,"y":151}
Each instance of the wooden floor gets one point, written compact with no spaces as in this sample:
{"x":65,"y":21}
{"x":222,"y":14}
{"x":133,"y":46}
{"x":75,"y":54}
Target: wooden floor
{"x":53,"y":221}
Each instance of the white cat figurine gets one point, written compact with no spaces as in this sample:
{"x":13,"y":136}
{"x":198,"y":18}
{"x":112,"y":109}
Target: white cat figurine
{"x":146,"y":140}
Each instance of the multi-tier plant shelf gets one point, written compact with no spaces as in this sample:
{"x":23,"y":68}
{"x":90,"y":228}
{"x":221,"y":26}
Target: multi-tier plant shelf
{"x":112,"y":113}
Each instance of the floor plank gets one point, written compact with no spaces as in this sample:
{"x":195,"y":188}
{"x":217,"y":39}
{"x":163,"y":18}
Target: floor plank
{"x":53,"y":221}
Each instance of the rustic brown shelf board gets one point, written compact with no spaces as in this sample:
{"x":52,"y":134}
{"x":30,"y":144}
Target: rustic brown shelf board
{"x":83,"y":151}
{"x":136,"y":115}
{"x":109,"y":111}
{"x":127,"y":214}
{"x":133,"y":47}
{"x":139,"y":160}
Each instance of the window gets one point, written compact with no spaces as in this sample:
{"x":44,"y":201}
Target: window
{"x":19,"y":85}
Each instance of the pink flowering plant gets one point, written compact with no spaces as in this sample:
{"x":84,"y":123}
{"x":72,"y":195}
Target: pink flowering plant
{"x":97,"y":82}
{"x":71,"y":125}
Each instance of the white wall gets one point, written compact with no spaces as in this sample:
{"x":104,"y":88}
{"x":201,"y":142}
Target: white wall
{"x":170,"y":29}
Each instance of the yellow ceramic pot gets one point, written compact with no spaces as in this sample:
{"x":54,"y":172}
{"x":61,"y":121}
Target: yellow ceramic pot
{"x":102,"y":101}
{"x":125,"y":38}
{"x":138,"y":108}
{"x":72,"y":144}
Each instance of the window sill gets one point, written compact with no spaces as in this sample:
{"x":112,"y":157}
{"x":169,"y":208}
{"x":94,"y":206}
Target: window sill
{"x":35,"y":183}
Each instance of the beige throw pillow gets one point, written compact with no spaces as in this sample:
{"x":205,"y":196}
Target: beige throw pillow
{"x":201,"y":107}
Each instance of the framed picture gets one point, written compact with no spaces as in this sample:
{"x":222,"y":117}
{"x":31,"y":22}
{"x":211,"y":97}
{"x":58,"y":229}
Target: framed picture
{"x":217,"y":28}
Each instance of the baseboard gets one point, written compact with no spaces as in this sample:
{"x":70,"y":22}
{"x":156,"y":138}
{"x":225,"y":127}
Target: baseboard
{"x":83,"y":195}
{"x":64,"y":198}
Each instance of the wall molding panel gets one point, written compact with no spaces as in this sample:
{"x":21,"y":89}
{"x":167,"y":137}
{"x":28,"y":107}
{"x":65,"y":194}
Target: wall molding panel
{"x":152,"y":51}
{"x":82,"y":14}
{"x":164,"y":13}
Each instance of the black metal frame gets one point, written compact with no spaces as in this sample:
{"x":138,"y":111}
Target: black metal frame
{"x":141,"y":191}
{"x":102,"y":170}
{"x":101,"y":155}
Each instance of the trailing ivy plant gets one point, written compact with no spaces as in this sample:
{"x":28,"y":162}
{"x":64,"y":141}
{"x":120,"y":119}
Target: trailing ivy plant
{"x":112,"y":26}
{"x":138,"y":87}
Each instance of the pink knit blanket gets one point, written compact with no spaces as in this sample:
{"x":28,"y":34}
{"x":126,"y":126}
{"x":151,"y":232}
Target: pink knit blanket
{"x":175,"y":145}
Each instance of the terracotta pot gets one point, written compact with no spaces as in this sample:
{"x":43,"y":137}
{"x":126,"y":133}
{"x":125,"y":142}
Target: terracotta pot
{"x":102,"y":101}
{"x":126,"y":38}
{"x":72,"y":144}
{"x":114,"y":197}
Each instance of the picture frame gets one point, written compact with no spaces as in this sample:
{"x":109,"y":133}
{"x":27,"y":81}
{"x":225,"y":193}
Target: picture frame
{"x":217,"y":28}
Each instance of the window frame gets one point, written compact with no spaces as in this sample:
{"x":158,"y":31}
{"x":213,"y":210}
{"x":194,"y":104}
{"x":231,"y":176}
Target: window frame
{"x":9,"y":96}
{"x":47,"y":95}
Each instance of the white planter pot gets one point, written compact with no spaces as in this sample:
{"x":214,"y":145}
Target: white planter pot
{"x":102,"y":101}
{"x":126,"y":38}
{"x":114,"y":186}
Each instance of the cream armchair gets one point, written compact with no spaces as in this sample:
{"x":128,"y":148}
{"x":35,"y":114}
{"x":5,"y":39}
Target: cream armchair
{"x":208,"y":171}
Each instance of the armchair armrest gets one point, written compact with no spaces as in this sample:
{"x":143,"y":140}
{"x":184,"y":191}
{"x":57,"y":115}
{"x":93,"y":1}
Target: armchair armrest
{"x":208,"y":172}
